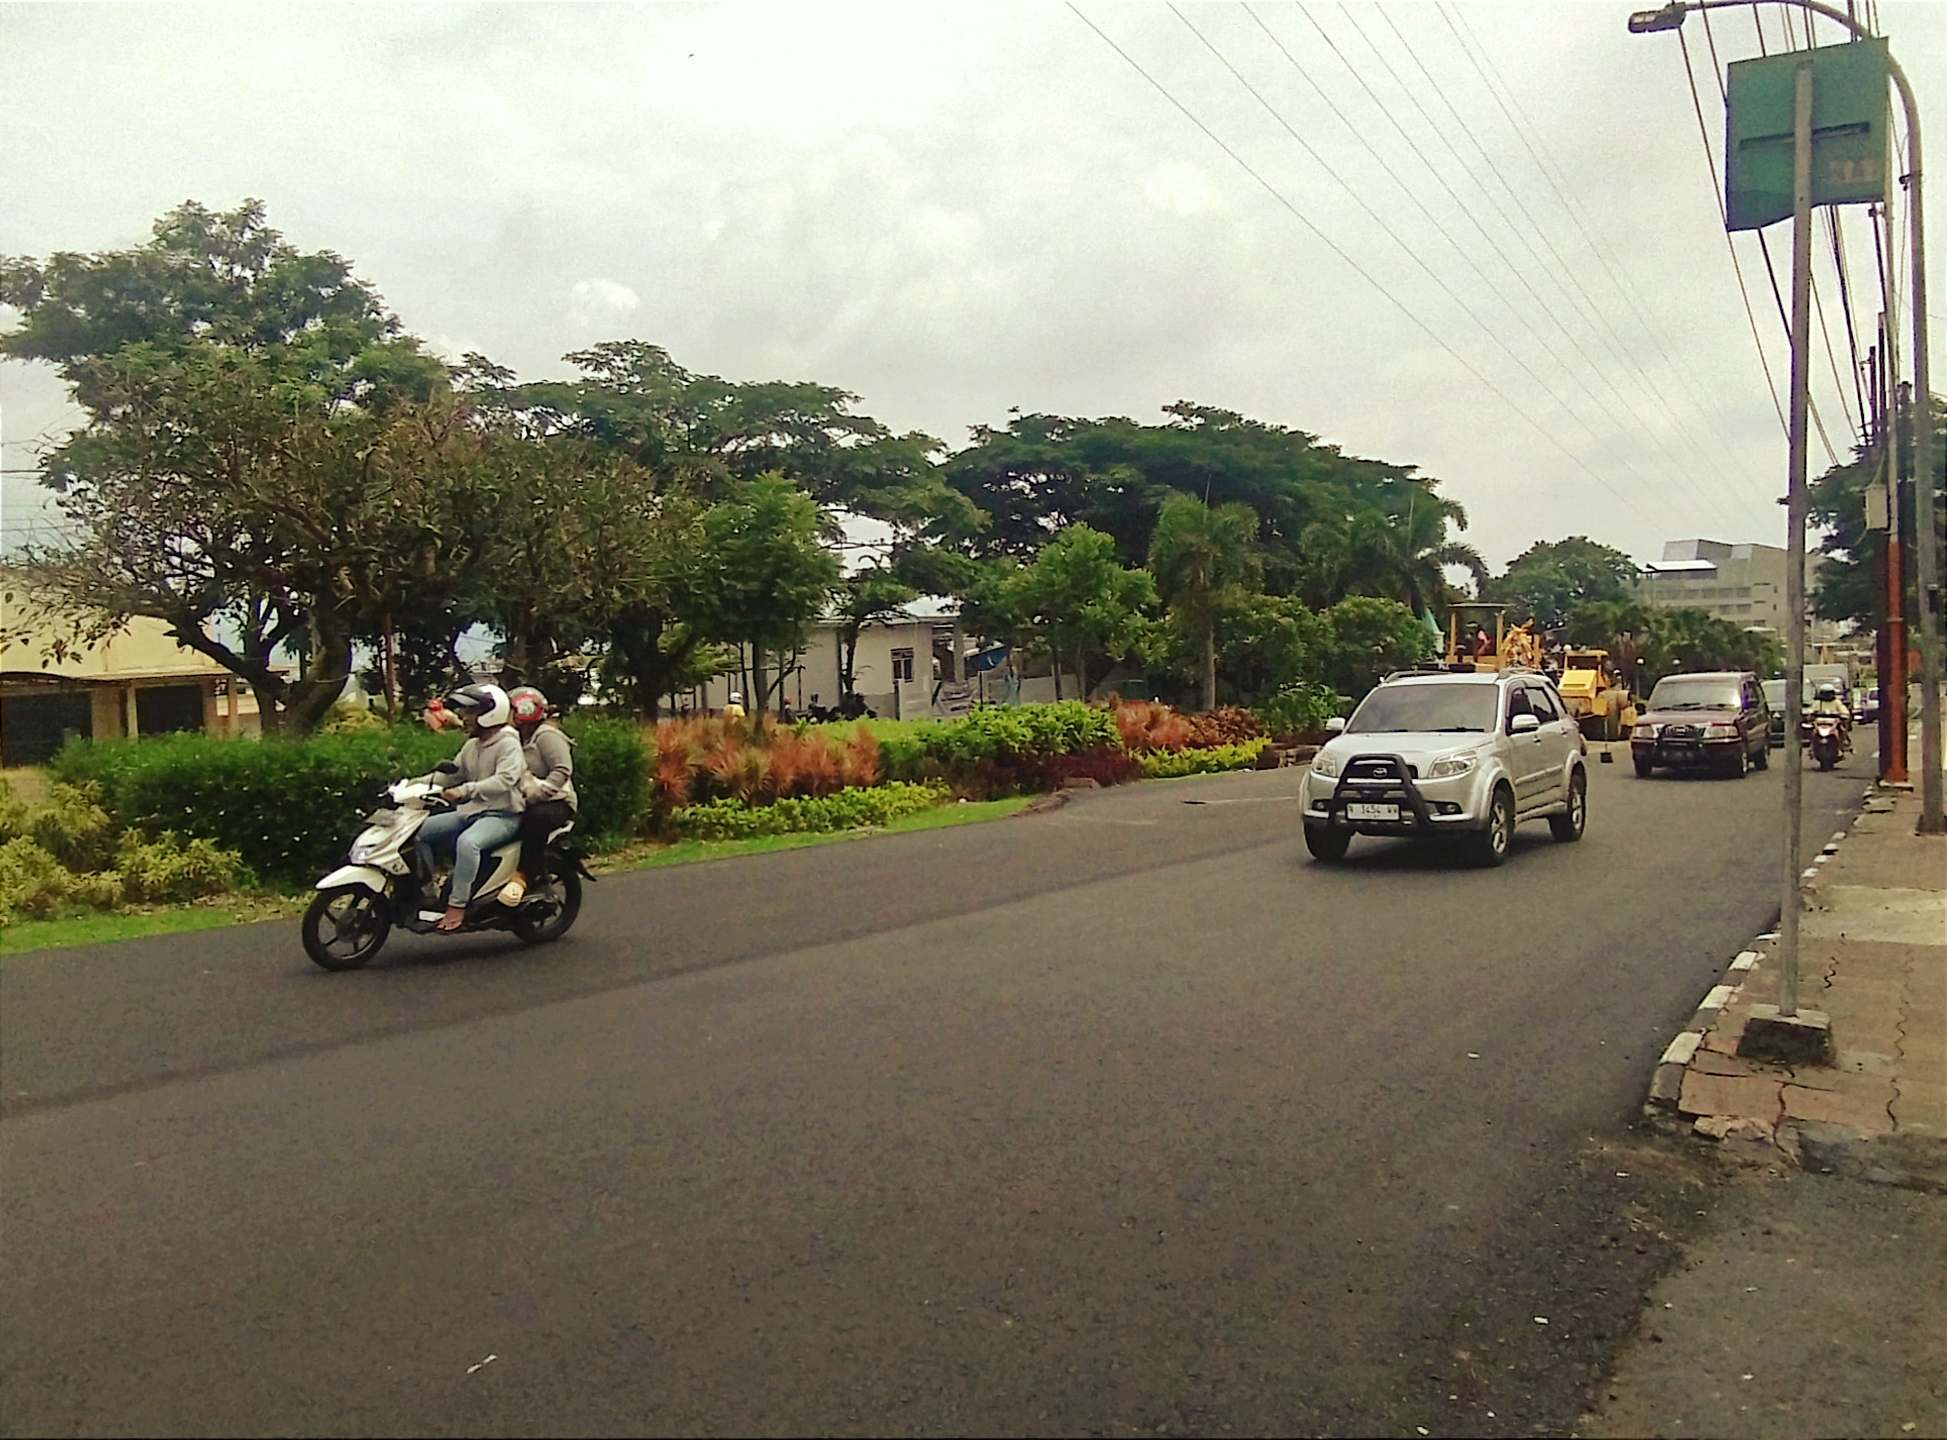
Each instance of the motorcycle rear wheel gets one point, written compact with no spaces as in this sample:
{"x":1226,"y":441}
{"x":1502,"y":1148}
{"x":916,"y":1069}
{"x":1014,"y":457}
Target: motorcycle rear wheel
{"x":345,"y":927}
{"x":562,"y":894}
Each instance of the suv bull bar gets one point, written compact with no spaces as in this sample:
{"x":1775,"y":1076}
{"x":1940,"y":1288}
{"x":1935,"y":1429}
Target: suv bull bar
{"x":1378,"y":778}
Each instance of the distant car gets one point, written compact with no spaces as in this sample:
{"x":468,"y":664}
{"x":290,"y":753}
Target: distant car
{"x":1715,"y":720}
{"x":1465,"y":757}
{"x":1865,"y":706}
{"x":1774,"y":699}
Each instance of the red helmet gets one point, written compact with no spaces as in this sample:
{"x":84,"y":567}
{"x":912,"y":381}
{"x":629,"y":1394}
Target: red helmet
{"x":530,"y":705}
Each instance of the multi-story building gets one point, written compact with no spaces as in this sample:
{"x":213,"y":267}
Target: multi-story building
{"x":1744,"y":584}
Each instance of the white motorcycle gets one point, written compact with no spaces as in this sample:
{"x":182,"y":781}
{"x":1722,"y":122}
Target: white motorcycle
{"x":381,"y":885}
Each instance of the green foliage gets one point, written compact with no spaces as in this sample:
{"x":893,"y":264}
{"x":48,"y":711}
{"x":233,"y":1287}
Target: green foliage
{"x":1648,"y":642}
{"x":1850,"y":584}
{"x":611,"y":778}
{"x":1077,"y":597}
{"x":1000,"y":734}
{"x":1370,"y":639}
{"x":1168,"y":764}
{"x":288,"y":807}
{"x":169,"y":868}
{"x":69,"y":824}
{"x":1550,"y":579}
{"x":1301,"y":708}
{"x":1202,"y":558}
{"x":32,"y":882}
{"x":728,"y":819}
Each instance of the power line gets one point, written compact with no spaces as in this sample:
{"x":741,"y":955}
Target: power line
{"x":1524,"y":127}
{"x":1392,"y":234}
{"x":1567,"y":271}
{"x":1439,"y":228}
{"x":1354,"y":265}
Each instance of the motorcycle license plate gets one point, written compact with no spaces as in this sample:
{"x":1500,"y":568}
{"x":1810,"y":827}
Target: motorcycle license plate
{"x":1356,"y":811}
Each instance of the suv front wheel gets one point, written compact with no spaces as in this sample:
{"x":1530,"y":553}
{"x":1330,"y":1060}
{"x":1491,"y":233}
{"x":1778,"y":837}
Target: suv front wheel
{"x":1491,"y":843}
{"x":1326,"y":843}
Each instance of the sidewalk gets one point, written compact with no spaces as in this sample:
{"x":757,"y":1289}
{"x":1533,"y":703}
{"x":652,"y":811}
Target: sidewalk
{"x":1872,"y":956}
{"x":1815,"y":1301}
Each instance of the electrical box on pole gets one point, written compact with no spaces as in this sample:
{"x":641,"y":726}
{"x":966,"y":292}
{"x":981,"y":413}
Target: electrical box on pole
{"x":1851,"y":131}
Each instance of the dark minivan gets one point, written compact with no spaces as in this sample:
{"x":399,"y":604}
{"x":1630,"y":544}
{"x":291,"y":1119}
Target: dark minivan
{"x":1717,"y":721}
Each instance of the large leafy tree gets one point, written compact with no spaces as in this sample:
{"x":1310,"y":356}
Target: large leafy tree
{"x":768,"y":573}
{"x":1201,"y":558}
{"x":875,"y":593}
{"x":266,"y":458}
{"x":1327,"y":521}
{"x":1078,"y":597}
{"x":1548,"y":580}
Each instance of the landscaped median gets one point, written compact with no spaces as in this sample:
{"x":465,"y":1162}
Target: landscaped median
{"x":237,"y":827}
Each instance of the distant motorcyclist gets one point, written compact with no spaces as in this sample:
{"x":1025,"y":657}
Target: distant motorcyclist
{"x":1829,"y":703}
{"x":549,"y":787}
{"x":486,"y":793}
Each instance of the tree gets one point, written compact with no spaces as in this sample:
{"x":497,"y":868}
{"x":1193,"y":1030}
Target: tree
{"x":265,"y":457}
{"x":768,"y":574}
{"x":1370,"y":638}
{"x":1548,"y":580}
{"x":1077,"y":596}
{"x":1850,"y":583}
{"x":873,"y":594}
{"x":1201,"y":558}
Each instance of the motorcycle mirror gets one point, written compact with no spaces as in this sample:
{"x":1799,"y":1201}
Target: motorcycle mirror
{"x":446,"y":767}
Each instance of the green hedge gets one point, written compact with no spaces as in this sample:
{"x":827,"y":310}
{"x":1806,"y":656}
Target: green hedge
{"x":728,"y":819}
{"x":290,"y":807}
{"x":999,"y":734}
{"x":1167,"y":764}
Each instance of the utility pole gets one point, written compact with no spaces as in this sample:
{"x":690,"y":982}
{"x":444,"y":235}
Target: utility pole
{"x":1795,"y":508}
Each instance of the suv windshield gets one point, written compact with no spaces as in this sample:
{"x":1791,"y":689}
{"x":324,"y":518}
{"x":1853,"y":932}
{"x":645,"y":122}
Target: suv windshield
{"x":1695,"y":692}
{"x":1393,"y":708}
{"x":1774,"y":694}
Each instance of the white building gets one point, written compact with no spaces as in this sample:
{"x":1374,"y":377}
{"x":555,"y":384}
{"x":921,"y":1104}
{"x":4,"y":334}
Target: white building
{"x":1744,"y":584}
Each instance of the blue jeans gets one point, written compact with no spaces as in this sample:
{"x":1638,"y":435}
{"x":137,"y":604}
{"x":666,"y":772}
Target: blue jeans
{"x":470,"y":835}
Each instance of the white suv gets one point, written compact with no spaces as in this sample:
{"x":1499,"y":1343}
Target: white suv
{"x":1466,"y":756}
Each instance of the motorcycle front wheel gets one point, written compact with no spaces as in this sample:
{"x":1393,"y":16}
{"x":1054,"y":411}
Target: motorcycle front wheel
{"x":345,"y":927}
{"x":547,"y":912}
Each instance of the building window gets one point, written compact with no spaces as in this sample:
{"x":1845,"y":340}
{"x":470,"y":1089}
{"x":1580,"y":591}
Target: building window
{"x":902,"y":666}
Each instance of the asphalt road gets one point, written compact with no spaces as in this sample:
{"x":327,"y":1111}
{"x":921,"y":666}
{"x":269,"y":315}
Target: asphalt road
{"x":1123,"y":1117}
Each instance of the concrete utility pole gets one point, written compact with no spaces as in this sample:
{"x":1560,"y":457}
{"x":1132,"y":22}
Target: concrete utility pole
{"x":1796,"y":506}
{"x":1926,"y":524}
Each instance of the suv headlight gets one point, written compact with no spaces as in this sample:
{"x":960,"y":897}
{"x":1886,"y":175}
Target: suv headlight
{"x":1720,"y":732}
{"x":1642,"y":732}
{"x":1452,"y":765}
{"x":1325,"y":765}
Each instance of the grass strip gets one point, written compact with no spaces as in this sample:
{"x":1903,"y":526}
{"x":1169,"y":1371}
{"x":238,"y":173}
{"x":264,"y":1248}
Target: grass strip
{"x":24,"y":936}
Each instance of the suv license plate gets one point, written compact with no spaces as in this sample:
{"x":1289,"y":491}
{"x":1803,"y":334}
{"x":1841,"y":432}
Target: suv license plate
{"x":1354,"y":811}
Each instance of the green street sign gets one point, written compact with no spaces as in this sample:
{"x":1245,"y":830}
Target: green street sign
{"x":1850,"y":131}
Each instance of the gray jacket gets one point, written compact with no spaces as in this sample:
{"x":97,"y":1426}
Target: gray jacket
{"x":551,"y":767}
{"x":491,"y":770}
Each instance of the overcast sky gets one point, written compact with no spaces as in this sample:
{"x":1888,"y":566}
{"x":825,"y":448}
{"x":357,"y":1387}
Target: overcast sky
{"x":953,"y":210}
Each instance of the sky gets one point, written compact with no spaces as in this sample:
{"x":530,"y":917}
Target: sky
{"x":1477,"y":238}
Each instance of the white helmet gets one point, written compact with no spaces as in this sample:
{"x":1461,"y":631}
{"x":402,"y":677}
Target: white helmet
{"x":736,"y":697}
{"x":487,"y":704}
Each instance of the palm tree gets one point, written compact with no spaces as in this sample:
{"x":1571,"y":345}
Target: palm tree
{"x":1199,"y":556}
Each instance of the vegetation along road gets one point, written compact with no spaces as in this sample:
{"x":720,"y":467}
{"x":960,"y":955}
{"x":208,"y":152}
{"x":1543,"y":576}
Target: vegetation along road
{"x":1121,"y":1116}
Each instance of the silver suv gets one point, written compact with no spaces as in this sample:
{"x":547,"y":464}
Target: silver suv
{"x":1460,"y":756}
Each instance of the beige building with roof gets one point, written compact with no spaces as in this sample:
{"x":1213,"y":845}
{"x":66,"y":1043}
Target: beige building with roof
{"x":137,"y":681}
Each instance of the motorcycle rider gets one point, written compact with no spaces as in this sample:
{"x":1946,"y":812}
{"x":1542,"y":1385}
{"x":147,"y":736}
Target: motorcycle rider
{"x":549,"y":787}
{"x":486,"y":793}
{"x":1829,"y":703}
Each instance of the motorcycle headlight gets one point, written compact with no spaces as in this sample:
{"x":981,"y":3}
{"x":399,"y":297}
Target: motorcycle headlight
{"x":1642,"y":732}
{"x":1325,"y":765}
{"x":362,"y":851}
{"x":1452,"y":765}
{"x":1720,"y":732}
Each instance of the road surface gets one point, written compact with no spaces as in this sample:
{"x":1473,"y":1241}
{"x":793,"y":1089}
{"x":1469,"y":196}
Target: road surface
{"x":1126,"y":1117}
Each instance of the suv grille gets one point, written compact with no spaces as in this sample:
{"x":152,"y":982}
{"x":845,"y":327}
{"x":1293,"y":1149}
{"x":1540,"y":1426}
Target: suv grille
{"x":1683,"y":732}
{"x":1379,"y":770}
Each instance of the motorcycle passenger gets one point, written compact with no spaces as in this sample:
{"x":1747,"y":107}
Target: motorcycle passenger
{"x":549,"y":787}
{"x":486,"y":793}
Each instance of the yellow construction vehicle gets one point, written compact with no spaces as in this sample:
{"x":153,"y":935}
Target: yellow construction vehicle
{"x":1599,"y":702}
{"x":1471,"y":646}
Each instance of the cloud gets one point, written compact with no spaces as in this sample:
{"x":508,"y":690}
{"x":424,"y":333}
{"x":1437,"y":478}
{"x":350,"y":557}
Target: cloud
{"x":1181,"y":188}
{"x":593,"y":304}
